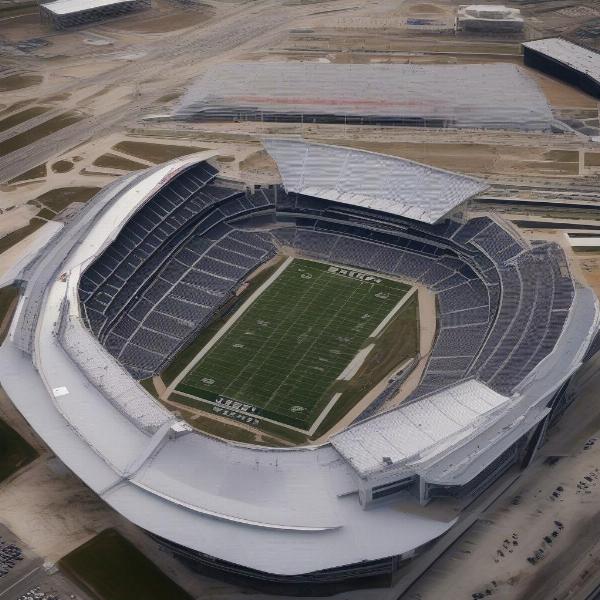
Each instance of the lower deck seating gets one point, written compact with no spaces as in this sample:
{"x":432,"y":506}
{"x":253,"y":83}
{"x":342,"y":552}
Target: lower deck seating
{"x":497,"y":314}
{"x":501,"y":303}
{"x":184,"y":297}
{"x":144,"y":306}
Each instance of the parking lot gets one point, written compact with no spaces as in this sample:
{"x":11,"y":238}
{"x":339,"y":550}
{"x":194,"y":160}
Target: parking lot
{"x":24,"y":576}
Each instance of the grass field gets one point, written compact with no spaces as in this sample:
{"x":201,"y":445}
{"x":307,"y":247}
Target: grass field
{"x":8,"y":304}
{"x":109,"y":567}
{"x":281,"y":359}
{"x":10,"y":239}
{"x":186,"y":355}
{"x":15,"y":452}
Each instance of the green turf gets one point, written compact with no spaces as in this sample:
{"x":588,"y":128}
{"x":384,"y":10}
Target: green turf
{"x":109,"y":567}
{"x":285,"y":352}
{"x":186,"y":354}
{"x":15,"y":452}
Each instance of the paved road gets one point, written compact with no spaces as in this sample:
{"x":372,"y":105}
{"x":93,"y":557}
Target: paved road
{"x":245,"y":24}
{"x":29,"y":576}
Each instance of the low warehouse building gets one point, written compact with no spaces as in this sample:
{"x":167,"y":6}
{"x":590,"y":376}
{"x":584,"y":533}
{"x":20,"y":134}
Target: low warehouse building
{"x":70,"y":13}
{"x":574,"y":64}
{"x":495,"y":96}
{"x":489,"y":17}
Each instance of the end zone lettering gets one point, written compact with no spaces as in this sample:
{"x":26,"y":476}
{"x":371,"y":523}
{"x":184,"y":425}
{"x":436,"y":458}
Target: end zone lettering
{"x":353,"y":274}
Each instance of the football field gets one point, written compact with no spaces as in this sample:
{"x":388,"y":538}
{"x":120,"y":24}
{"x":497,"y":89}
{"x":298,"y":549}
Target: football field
{"x":280,"y":360}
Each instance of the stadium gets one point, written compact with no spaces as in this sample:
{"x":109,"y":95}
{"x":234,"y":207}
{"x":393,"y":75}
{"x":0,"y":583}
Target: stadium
{"x":342,"y":241}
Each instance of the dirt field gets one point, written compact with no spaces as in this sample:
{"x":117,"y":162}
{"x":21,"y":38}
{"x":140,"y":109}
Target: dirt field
{"x":563,"y":96}
{"x":479,"y":158}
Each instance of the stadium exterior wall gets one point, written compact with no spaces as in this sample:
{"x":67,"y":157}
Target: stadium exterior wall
{"x":381,"y":573}
{"x":120,"y":471}
{"x":554,"y":68}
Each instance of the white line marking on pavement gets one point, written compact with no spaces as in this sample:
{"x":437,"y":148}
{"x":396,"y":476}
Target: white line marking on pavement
{"x":4,"y":592}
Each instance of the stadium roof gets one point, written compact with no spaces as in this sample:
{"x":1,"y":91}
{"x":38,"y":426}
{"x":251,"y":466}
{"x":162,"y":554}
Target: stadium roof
{"x":409,"y":431}
{"x":66,"y":7}
{"x":572,"y":55}
{"x":291,"y":510}
{"x":491,"y":95}
{"x":394,"y":185}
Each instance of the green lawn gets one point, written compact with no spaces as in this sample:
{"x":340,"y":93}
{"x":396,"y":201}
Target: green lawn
{"x":20,"y":117}
{"x":33,"y":173}
{"x":109,"y":567}
{"x":15,"y":452}
{"x":282,"y":357}
{"x":38,"y":132}
{"x":59,"y":198}
{"x":113,"y":161}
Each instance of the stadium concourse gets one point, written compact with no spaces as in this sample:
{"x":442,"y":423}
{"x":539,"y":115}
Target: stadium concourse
{"x":149,"y":261}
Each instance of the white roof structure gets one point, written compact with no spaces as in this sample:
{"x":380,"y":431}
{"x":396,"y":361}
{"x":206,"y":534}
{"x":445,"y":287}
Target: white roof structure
{"x":474,"y":96}
{"x":572,"y":55}
{"x":407,"y":433}
{"x":490,"y":11}
{"x":489,"y":17}
{"x":67,"y":7}
{"x":394,"y":185}
{"x":288,"y":511}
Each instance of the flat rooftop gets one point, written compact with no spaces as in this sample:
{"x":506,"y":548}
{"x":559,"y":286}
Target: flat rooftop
{"x":67,"y":7}
{"x":409,"y":431}
{"x":569,"y":54}
{"x":472,"y":96}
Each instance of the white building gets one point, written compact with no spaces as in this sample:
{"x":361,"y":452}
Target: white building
{"x":489,"y":18}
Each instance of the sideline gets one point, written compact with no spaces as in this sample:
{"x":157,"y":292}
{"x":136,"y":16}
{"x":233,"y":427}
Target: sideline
{"x":323,"y":414}
{"x":382,"y":325}
{"x":226,"y":327}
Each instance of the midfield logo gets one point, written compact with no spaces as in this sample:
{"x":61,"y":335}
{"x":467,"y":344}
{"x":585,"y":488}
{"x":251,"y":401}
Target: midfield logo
{"x":353,"y":274}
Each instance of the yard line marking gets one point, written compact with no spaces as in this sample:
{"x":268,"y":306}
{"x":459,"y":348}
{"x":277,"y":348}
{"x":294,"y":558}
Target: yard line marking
{"x":266,"y":343}
{"x":317,"y":338}
{"x":227,"y":326}
{"x":307,"y":373}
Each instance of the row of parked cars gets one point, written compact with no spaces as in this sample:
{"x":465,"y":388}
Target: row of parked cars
{"x":10,"y":554}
